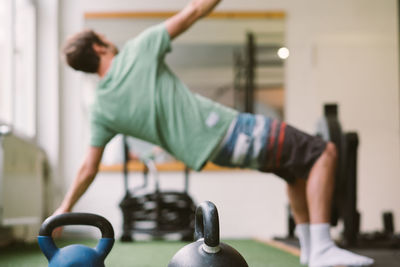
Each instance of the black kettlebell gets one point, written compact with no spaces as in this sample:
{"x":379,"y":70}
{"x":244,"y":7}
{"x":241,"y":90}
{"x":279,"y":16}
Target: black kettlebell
{"x":76,"y":255}
{"x":207,"y":250}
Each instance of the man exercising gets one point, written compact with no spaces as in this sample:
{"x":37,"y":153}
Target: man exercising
{"x":138,"y":95}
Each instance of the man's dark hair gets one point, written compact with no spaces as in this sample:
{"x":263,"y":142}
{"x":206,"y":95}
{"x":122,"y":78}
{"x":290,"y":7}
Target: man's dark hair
{"x":79,"y":53}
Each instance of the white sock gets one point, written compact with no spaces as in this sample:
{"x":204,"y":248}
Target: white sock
{"x":303,"y":233}
{"x":325,"y":253}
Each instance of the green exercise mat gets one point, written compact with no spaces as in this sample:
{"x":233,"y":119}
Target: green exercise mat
{"x":148,"y":254}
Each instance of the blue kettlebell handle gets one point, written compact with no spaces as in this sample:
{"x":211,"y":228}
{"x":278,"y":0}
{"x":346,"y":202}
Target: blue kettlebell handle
{"x":48,"y":246}
{"x":207,"y":223}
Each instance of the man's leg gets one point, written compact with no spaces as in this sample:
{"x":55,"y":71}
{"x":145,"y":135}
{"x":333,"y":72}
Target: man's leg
{"x":320,"y":185}
{"x":319,"y":192}
{"x":310,"y":200}
{"x":290,"y":153}
{"x":298,"y":203}
{"x":298,"y":200}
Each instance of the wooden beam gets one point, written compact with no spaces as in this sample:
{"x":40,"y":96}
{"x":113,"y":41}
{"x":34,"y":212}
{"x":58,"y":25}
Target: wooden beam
{"x":167,"y":14}
{"x":280,"y":245}
{"x":136,"y":166}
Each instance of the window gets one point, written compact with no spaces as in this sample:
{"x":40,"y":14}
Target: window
{"x":5,"y":63}
{"x":17,"y":70}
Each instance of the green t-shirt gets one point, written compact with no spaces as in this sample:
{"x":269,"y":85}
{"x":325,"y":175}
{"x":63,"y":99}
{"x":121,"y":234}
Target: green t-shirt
{"x":141,"y":97}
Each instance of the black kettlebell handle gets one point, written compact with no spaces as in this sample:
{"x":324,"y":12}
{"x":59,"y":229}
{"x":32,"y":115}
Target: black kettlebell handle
{"x":207,"y":223}
{"x":77,"y":218}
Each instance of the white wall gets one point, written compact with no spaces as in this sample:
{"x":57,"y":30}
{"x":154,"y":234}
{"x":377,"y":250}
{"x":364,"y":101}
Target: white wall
{"x":351,"y":56}
{"x":343,"y":50}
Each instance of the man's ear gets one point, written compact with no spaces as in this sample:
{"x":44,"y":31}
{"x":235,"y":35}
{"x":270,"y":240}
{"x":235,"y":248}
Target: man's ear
{"x":99,"y":49}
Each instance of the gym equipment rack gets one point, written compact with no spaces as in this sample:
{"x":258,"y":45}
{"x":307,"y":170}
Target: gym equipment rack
{"x":159,"y":213}
{"x":255,"y":56}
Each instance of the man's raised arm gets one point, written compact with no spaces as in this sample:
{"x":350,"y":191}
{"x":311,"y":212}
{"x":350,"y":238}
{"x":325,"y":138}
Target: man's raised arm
{"x":195,"y":10}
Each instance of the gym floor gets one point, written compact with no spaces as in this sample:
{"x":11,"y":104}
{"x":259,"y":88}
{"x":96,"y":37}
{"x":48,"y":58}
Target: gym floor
{"x":384,"y":257}
{"x":149,"y":254}
{"x":142,"y":253}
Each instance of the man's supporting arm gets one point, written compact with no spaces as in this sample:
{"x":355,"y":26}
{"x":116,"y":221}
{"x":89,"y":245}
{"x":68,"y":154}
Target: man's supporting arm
{"x":82,"y":181}
{"x":195,"y":10}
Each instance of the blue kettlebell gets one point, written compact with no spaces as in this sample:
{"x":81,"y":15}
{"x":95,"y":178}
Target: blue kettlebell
{"x":207,"y":250}
{"x":76,"y":255}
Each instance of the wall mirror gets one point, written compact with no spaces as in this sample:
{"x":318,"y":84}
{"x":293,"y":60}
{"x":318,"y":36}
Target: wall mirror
{"x":235,"y":58}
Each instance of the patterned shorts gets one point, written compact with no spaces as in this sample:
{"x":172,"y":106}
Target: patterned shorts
{"x":268,"y":145}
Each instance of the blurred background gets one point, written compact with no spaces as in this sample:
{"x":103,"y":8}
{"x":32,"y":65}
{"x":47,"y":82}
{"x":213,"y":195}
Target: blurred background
{"x":304,"y":53}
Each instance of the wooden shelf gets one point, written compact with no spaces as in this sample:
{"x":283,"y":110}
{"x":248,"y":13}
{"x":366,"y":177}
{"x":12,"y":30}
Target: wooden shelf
{"x":136,"y":166}
{"x":167,"y":14}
